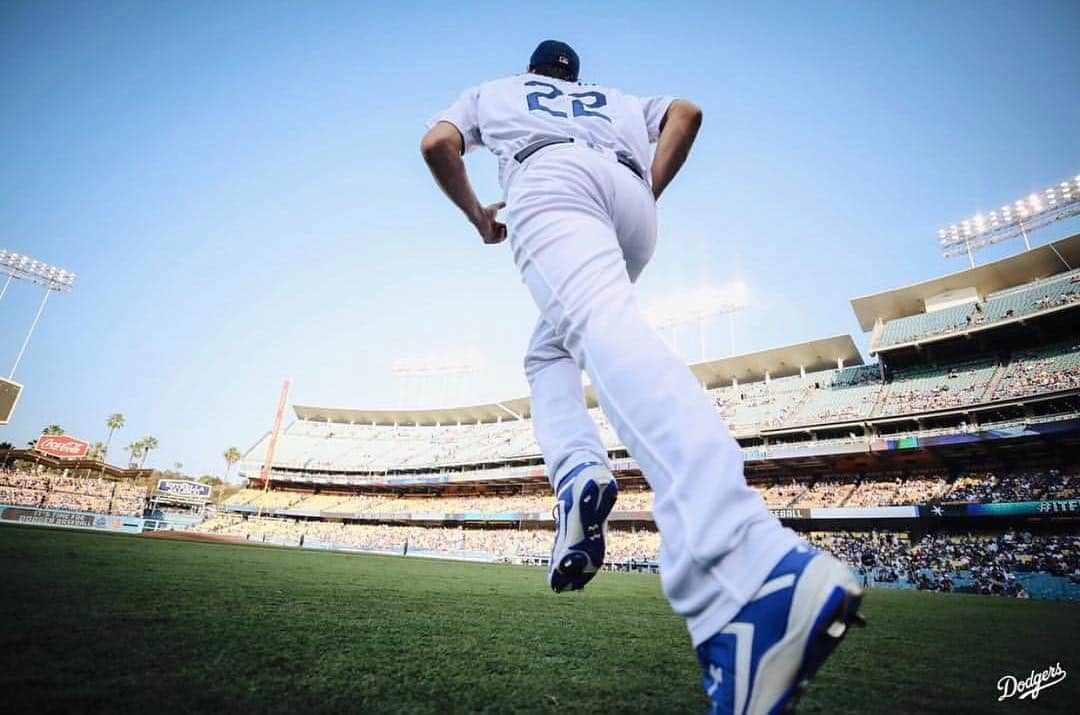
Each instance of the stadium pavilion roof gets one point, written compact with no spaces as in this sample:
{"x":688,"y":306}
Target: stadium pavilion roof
{"x":1039,"y":262}
{"x":810,"y":356}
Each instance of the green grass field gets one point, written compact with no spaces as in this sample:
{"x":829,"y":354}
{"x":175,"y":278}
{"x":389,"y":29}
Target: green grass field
{"x":106,"y":623}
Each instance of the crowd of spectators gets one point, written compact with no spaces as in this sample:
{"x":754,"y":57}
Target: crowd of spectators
{"x":938,"y":562}
{"x":986,"y":564}
{"x":781,"y":494}
{"x":1039,"y":295}
{"x":1029,"y":486}
{"x":928,"y":389}
{"x":21,"y":497}
{"x":536,"y":501}
{"x":47,"y":491}
{"x":1050,"y":370}
{"x":829,"y":396}
{"x":827,"y":491}
{"x":508,"y":544}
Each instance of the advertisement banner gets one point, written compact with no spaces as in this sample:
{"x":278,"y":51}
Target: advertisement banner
{"x":62,"y":445}
{"x":873,"y":512}
{"x":183,"y":488}
{"x":1012,"y":432}
{"x":71,"y":519}
{"x":1046,"y":507}
{"x":791,"y":513}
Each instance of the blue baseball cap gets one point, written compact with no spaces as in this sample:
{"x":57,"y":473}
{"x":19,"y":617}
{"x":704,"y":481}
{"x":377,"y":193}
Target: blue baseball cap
{"x":552,"y":53}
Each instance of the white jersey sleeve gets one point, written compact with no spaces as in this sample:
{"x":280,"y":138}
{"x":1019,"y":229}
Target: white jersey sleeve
{"x":654,"y":108}
{"x":465,"y":115}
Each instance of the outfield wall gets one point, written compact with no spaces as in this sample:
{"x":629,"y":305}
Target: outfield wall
{"x":1063,"y":508}
{"x":70,"y":519}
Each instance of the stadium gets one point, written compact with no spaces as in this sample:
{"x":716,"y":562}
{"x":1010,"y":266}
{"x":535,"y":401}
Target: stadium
{"x":947,"y":464}
{"x":208,"y":202}
{"x":959,"y":437}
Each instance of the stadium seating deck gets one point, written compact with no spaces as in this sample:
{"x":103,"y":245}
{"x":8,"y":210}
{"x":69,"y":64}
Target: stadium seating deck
{"x":937,"y":387}
{"x":1045,"y":294}
{"x":100,"y":496}
{"x":851,"y":394}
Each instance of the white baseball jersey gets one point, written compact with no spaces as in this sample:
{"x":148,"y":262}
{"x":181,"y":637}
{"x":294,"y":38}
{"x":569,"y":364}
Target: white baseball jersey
{"x":506,"y":115}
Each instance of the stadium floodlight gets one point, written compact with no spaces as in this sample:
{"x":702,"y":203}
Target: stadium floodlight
{"x":1038,"y":210}
{"x":51,"y":278}
{"x":447,"y":362}
{"x":17,"y":265}
{"x":697,"y":306}
{"x":451,"y":368}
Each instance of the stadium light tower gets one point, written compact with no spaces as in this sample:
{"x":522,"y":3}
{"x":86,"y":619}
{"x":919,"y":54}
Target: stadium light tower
{"x":1016,"y":219}
{"x":446,"y":367}
{"x":698,"y":306}
{"x":51,"y":278}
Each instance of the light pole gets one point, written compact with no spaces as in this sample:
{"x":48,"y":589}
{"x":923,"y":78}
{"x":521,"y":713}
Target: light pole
{"x":1016,"y":219}
{"x":451,"y":368}
{"x":50,"y":278}
{"x":699,"y":306}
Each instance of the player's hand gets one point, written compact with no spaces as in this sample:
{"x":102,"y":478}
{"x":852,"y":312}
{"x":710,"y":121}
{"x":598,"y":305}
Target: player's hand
{"x":490,"y":230}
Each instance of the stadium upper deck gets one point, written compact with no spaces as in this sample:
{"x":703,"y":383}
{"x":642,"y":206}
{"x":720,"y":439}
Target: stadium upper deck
{"x":1041,"y":281}
{"x":810,"y":398}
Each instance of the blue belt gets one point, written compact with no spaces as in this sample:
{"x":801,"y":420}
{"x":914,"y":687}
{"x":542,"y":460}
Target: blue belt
{"x":620,"y":156}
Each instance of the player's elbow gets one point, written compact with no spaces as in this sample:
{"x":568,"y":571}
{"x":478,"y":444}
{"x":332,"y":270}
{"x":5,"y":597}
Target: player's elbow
{"x":431,"y":147}
{"x":440,"y":141}
{"x":690,"y":113}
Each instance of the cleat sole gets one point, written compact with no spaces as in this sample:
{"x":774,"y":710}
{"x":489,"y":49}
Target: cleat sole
{"x":584,"y":559}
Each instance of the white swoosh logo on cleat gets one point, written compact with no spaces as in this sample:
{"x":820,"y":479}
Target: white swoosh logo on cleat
{"x":775,"y":585}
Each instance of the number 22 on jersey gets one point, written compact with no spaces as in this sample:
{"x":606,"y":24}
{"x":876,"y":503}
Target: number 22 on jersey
{"x":578,"y":106}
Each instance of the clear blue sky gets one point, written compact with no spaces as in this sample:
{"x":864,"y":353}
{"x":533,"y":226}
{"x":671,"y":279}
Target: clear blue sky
{"x":238,"y":184}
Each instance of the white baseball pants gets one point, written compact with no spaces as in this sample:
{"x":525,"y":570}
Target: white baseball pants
{"x":582,"y":228}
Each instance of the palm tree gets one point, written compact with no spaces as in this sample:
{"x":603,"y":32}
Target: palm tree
{"x":96,"y":452}
{"x":114,"y":422}
{"x":148,"y":443}
{"x":136,"y":450}
{"x":232,"y":456}
{"x":53,"y":429}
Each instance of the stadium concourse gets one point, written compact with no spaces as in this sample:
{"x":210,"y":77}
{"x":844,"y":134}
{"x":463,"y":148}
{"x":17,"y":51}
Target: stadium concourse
{"x":948,"y":463}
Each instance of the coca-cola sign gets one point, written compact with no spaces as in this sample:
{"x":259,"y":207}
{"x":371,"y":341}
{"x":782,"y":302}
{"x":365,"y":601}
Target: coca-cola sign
{"x":60,"y":445}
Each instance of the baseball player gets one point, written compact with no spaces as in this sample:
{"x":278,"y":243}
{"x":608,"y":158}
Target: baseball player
{"x":580,"y":191}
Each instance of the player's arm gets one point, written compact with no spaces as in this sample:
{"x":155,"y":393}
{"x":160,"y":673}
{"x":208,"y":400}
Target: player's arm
{"x":442,"y":147}
{"x":678,"y":130}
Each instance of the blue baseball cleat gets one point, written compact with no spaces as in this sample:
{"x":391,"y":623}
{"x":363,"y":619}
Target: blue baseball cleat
{"x":584,"y":498}
{"x":763,"y":660}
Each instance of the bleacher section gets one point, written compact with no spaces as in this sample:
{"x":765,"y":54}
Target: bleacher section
{"x":839,"y":396}
{"x":820,"y":398}
{"x":925,"y":325}
{"x":1020,"y":301}
{"x":100,"y":496}
{"x":831,"y":491}
{"x":1038,"y":371}
{"x":1017,"y":564}
{"x":924,"y":389}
